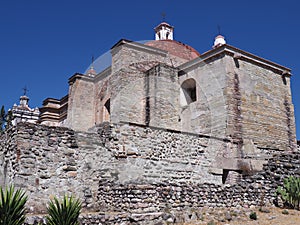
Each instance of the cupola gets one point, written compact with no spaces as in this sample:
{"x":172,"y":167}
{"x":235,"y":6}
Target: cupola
{"x":164,"y":31}
{"x":219,"y":40}
{"x":24,"y":101}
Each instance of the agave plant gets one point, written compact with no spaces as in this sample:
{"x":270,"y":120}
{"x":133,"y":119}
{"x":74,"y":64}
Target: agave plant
{"x":12,"y":206}
{"x":65,"y":212}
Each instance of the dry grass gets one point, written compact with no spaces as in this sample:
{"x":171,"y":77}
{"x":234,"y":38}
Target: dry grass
{"x":274,"y":217}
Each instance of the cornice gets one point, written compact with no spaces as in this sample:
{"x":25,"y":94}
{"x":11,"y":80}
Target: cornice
{"x":79,"y":76}
{"x":236,"y":54}
{"x":137,"y":46}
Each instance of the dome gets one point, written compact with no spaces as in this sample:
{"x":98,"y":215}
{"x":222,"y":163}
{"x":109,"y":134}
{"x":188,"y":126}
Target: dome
{"x":175,"y":48}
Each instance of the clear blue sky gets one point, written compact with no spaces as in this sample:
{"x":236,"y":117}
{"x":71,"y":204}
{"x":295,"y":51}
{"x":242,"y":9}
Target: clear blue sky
{"x":43,"y":43}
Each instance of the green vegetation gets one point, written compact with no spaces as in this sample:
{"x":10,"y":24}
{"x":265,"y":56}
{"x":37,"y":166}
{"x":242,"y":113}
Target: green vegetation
{"x":13,"y":211}
{"x":2,"y":119}
{"x":65,"y":212}
{"x":290,"y":192}
{"x":12,"y":206}
{"x":253,"y":216}
{"x":5,"y":119}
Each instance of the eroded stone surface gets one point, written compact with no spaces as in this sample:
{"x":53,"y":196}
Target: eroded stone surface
{"x":127,"y":167}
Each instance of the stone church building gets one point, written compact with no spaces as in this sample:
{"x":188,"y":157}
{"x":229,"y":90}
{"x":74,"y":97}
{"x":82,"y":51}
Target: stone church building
{"x":162,"y":126}
{"x":225,"y":93}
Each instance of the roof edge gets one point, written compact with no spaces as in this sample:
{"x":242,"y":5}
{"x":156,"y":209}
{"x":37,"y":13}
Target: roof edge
{"x":121,"y":42}
{"x":236,"y":53}
{"x":138,"y":46}
{"x":55,"y":100}
{"x":79,"y":76}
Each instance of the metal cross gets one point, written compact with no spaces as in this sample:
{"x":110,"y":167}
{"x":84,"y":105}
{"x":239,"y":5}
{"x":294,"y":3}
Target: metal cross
{"x":25,"y":90}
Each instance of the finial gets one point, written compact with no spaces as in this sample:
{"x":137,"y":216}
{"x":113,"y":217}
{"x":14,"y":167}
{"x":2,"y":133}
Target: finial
{"x":219,"y":40}
{"x":25,"y":90}
{"x":24,"y":99}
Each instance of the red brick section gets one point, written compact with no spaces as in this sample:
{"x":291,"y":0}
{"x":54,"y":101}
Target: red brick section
{"x":175,"y":48}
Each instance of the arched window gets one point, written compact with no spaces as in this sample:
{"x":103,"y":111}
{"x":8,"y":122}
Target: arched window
{"x":188,"y":92}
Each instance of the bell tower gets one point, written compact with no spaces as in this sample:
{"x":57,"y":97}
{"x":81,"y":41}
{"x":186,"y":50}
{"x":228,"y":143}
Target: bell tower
{"x":164,"y":31}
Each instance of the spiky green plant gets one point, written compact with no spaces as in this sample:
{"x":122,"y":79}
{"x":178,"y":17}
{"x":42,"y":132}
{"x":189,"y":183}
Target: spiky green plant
{"x":12,"y":206}
{"x":65,"y":212}
{"x":290,"y":192}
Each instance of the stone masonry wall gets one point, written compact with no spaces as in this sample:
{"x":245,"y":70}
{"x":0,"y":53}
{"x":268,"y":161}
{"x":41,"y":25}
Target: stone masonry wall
{"x":129,"y":54}
{"x":163,"y":105}
{"x":49,"y":161}
{"x":102,"y":95}
{"x":130,"y":83}
{"x":129,"y":170}
{"x":145,"y":98}
{"x":256,"y":190}
{"x":41,"y":160}
{"x":8,"y":156}
{"x":128,"y":96}
{"x":141,"y":89}
{"x":182,"y":202}
{"x":260,"y":103}
{"x":150,"y":155}
{"x":81,"y":102}
{"x":208,"y":115}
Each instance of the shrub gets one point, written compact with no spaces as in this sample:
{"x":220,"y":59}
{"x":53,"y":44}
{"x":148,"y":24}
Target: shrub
{"x":12,"y":206}
{"x":65,"y":212}
{"x":253,"y":216}
{"x":290,"y":192}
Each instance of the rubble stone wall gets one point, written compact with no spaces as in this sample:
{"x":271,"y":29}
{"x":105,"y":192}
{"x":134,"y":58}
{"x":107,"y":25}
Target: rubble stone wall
{"x":258,"y":189}
{"x":146,"y":203}
{"x":51,"y":161}
{"x":130,"y":169}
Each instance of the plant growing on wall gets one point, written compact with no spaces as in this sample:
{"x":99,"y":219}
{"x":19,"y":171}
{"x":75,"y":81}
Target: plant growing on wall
{"x":2,"y":119}
{"x":9,"y":119}
{"x":290,"y":192}
{"x":65,"y":212}
{"x":12,"y":206}
{"x":5,"y":119}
